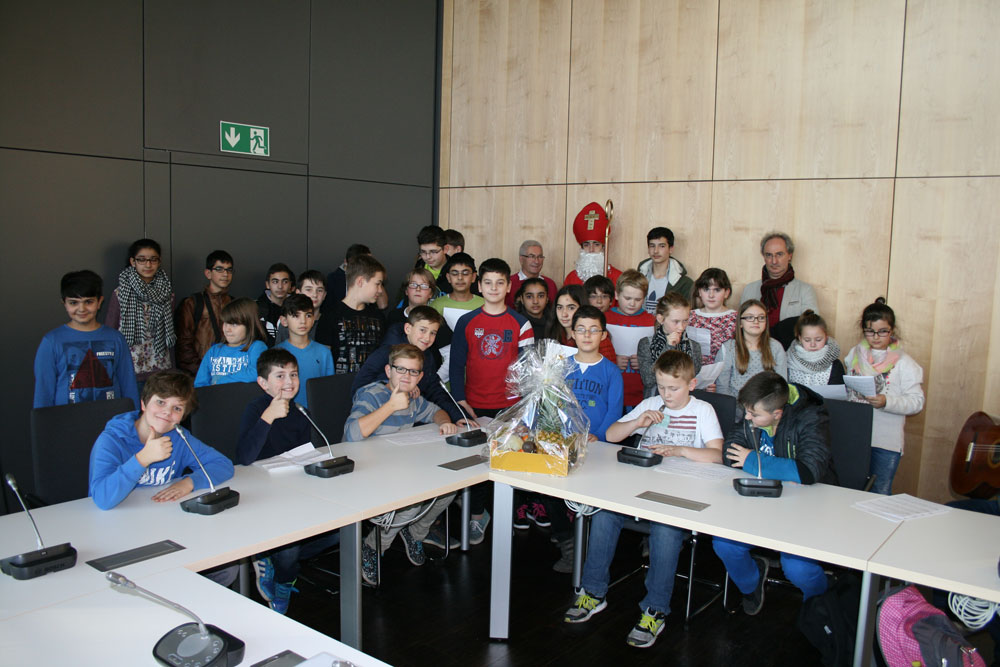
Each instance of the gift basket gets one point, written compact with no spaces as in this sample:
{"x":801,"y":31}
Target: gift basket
{"x":546,"y":431}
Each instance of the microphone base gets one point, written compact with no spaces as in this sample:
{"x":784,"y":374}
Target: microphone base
{"x":639,"y":457}
{"x":212,"y":502}
{"x":33,"y":564}
{"x":180,"y":647}
{"x":467,"y":438}
{"x":339,"y":465}
{"x":758,"y":488}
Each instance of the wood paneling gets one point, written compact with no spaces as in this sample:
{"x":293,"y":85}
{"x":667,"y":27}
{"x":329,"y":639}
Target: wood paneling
{"x":841,"y":230}
{"x":444,"y":150}
{"x":951,"y":89}
{"x":642,"y":90}
{"x":510,"y":90}
{"x":808,"y":89}
{"x":942,"y":284}
{"x":685,"y":208}
{"x":495,"y":221}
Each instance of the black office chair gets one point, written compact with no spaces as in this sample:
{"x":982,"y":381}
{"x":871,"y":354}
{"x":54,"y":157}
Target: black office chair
{"x":216,"y":422}
{"x":851,"y":442}
{"x":727,"y":410}
{"x":330,"y":404}
{"x":61,"y":440}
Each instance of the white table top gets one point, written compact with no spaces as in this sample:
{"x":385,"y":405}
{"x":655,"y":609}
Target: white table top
{"x":815,"y":521}
{"x":124,"y":627}
{"x":955,"y":551}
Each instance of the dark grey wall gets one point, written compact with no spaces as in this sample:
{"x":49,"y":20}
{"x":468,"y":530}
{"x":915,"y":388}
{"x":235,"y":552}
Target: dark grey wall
{"x":109,"y":131}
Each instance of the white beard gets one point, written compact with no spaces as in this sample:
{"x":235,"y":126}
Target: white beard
{"x":590,"y":264}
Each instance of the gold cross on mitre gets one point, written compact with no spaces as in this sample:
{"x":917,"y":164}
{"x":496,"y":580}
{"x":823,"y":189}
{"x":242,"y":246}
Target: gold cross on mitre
{"x":591,"y":218}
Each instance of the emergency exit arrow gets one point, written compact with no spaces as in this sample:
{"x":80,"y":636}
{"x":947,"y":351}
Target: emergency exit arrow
{"x":232,"y":137}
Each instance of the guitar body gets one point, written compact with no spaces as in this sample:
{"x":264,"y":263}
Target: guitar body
{"x":975,"y":463}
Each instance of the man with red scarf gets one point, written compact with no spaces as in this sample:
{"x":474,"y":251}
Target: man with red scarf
{"x":781,"y":292}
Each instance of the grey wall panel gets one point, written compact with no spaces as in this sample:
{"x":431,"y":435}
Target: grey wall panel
{"x":156,"y":207}
{"x":386,"y":218}
{"x":372,"y":91}
{"x":71,"y":76}
{"x":245,"y":62}
{"x":60,"y":213}
{"x":259,"y":218}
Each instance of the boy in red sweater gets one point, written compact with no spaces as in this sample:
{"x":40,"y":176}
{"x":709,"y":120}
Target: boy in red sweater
{"x":631,"y":293}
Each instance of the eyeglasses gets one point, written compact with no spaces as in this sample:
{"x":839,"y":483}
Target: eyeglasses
{"x":881,"y":333}
{"x":433,"y":252}
{"x":152,"y":261}
{"x":419,"y":286}
{"x":403,"y":370}
{"x":593,"y":331}
{"x":533,"y":257}
{"x":754,"y":318}
{"x":221,"y":269}
{"x":463,"y":274}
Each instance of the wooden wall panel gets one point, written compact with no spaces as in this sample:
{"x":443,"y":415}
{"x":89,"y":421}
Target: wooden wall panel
{"x":808,"y":89}
{"x":642,"y":90}
{"x":944,"y":266}
{"x":444,"y":150}
{"x":685,"y":208}
{"x":841,"y":230}
{"x":951,"y":89}
{"x":495,"y":221}
{"x":510,"y":90}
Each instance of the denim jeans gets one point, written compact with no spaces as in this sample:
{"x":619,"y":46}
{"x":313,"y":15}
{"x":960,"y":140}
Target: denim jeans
{"x":883,"y":465}
{"x":286,"y":560}
{"x":665,"y":544}
{"x":805,"y":573}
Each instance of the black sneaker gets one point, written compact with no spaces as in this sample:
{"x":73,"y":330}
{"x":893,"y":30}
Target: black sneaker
{"x":414,"y":549}
{"x":521,"y":521}
{"x":753,"y":603}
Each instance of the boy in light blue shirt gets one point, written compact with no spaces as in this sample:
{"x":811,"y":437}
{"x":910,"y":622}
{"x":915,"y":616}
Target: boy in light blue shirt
{"x":314,"y":359}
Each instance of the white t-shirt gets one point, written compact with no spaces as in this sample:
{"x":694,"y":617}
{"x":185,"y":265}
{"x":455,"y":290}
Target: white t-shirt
{"x":657,"y":288}
{"x":691,"y":426}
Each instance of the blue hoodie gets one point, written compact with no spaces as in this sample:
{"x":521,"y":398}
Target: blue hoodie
{"x":114,"y":470}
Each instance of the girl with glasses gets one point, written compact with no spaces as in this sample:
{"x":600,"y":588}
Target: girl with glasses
{"x":750,"y":351}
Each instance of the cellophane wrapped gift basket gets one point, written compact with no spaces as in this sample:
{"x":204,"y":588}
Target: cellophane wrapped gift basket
{"x":546,"y":431}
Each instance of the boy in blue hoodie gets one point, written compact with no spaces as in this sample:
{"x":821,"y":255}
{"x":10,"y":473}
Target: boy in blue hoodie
{"x":143,"y":447}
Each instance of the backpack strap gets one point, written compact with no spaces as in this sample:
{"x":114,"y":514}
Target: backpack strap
{"x":200,"y":303}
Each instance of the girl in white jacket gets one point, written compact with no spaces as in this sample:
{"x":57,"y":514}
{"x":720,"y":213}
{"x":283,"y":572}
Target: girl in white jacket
{"x":897,"y":388}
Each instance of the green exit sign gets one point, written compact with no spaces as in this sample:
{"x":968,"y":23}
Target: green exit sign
{"x":246,"y":139}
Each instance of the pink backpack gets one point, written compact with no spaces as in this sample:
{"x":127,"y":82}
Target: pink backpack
{"x":912,"y":632}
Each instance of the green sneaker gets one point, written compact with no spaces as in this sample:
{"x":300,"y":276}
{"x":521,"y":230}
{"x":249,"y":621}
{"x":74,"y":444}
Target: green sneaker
{"x":648,"y":628}
{"x":586,"y":605}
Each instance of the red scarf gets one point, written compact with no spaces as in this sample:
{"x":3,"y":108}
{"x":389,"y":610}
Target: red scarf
{"x":771,"y":291}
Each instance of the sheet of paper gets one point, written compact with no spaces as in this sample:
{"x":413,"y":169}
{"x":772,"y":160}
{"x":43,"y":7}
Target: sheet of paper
{"x":678,"y":465}
{"x":452,"y":315}
{"x":863,"y":384}
{"x":626,"y":339}
{"x":445,"y":371}
{"x":293,"y":459}
{"x":701,"y":336}
{"x":709,"y":374}
{"x":835,"y":391}
{"x":413,"y":437}
{"x":900,"y":507}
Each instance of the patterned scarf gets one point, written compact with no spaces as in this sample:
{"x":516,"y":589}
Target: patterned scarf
{"x":134,"y":294}
{"x":865,"y":364}
{"x":659,"y":343}
{"x":813,"y":362}
{"x":769,"y":288}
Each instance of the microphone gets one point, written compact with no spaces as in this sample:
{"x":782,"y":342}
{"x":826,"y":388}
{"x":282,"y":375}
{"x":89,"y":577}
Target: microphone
{"x":633,"y":454}
{"x":43,"y":560}
{"x":190,"y":643}
{"x":470,"y":438}
{"x":331,"y":467}
{"x":215,"y":500}
{"x":757,"y":486}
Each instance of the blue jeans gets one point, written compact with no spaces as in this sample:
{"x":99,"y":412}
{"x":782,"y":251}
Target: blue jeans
{"x":286,"y":560}
{"x":805,"y":573}
{"x":883,"y":465}
{"x":665,"y":544}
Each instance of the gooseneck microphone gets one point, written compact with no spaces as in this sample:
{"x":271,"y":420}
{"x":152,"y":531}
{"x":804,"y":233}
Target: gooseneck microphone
{"x":215,"y":500}
{"x":757,"y":486}
{"x":470,"y":438}
{"x":190,"y":643}
{"x":331,"y":467}
{"x":43,"y":560}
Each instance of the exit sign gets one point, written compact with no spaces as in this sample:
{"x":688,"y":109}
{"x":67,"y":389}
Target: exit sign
{"x":246,"y":139}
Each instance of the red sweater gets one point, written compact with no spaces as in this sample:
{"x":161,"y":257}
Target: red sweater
{"x":630,"y":377}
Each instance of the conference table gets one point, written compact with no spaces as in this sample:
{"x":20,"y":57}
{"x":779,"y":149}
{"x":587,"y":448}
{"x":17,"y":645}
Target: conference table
{"x":278,"y":508}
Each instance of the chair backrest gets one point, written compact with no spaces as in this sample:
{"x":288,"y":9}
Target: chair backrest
{"x":726,"y":409}
{"x":61,"y":439}
{"x":851,"y":441}
{"x":330,"y":404}
{"x":216,"y":422}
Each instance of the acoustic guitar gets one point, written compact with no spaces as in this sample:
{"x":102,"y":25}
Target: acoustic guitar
{"x":975,"y":463}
